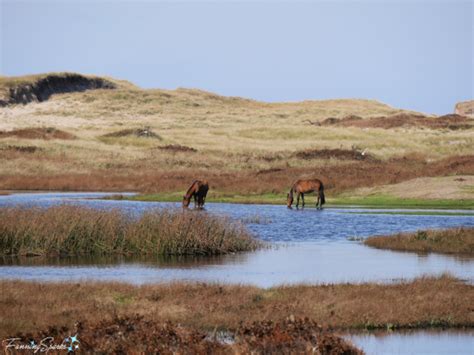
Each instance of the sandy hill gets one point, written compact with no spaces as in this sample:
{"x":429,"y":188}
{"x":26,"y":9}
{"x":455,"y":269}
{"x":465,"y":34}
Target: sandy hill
{"x":74,"y":131}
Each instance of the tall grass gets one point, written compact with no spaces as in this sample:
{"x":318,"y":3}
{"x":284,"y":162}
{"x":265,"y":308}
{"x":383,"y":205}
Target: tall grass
{"x":75,"y":230}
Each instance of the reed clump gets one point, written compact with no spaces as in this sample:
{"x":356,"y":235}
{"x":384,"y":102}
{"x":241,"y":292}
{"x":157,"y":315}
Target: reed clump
{"x":449,"y":241}
{"x":76,"y":230}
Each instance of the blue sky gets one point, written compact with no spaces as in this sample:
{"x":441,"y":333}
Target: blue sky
{"x":409,"y":54}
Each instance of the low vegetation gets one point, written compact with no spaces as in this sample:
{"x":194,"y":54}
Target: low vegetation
{"x":451,"y":241}
{"x":422,"y":303}
{"x":138,"y":335}
{"x":75,"y":230}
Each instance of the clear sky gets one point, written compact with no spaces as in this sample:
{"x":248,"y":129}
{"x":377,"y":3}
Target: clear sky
{"x":409,"y":54}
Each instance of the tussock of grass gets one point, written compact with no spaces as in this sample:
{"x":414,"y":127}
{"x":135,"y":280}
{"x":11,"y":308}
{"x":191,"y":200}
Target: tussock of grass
{"x":75,"y":230}
{"x":455,"y":240}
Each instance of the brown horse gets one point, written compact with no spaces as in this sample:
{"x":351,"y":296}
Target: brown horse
{"x":198,"y":190}
{"x":302,"y":187}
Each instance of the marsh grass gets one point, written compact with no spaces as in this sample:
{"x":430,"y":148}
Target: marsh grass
{"x":75,"y":230}
{"x":422,"y":303}
{"x":451,"y":241}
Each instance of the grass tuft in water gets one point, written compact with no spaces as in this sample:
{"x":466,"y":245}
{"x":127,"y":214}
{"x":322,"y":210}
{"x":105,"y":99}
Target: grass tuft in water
{"x":450,"y":241}
{"x":76,"y":230}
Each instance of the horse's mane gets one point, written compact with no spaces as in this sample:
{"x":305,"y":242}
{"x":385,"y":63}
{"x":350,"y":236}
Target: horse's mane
{"x":189,"y":192}
{"x":292,"y":189}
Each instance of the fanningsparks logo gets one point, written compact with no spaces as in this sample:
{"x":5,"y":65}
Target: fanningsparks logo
{"x":69,"y":344}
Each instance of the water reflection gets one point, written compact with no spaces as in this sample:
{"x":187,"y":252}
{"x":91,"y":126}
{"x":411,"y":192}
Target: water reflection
{"x":416,"y":342}
{"x":161,"y":261}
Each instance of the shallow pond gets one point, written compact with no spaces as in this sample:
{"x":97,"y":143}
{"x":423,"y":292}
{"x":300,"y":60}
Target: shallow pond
{"x":310,"y":246}
{"x":415,"y":342}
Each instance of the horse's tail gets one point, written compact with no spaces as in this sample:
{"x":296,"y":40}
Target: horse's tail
{"x":321,"y":194}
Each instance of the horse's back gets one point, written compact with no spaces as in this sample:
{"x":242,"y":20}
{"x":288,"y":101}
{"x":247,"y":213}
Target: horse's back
{"x":308,"y":185}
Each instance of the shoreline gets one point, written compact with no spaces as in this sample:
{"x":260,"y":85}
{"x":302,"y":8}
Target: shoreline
{"x":370,"y":202}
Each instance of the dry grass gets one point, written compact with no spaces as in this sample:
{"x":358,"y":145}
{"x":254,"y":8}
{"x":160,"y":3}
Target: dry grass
{"x":451,"y":241}
{"x":422,"y":303}
{"x":74,"y":230}
{"x":148,"y":175}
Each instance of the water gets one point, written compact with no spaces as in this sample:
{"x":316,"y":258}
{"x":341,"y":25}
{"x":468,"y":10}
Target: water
{"x":416,"y":342}
{"x":311,"y":247}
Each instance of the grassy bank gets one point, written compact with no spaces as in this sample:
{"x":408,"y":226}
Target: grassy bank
{"x":451,"y":241}
{"x":280,"y":199}
{"x":75,"y":230}
{"x":422,"y":303}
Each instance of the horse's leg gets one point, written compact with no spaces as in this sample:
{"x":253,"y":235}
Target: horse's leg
{"x":302,"y":199}
{"x":317,"y":200}
{"x":297,"y":200}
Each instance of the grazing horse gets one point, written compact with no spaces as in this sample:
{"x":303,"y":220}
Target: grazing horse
{"x":198,"y":190}
{"x":302,"y":187}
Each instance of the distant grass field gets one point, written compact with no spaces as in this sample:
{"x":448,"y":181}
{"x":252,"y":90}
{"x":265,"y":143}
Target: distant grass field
{"x":248,"y":150}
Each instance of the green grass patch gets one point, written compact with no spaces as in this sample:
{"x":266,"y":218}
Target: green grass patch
{"x":416,"y":213}
{"x":380,"y":201}
{"x":280,"y":199}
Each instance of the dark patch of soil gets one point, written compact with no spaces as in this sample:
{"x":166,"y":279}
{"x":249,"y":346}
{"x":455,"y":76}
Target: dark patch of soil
{"x":42,"y":89}
{"x":21,"y":148}
{"x":178,"y":148}
{"x":451,"y":121}
{"x":269,"y":171}
{"x":123,"y":335}
{"x":341,"y":154}
{"x":140,"y":132}
{"x":37,"y":133}
{"x":338,"y":121}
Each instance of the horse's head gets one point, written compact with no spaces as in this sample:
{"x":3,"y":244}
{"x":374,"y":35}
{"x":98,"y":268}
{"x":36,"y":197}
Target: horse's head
{"x":289,"y":200}
{"x":186,"y":201}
